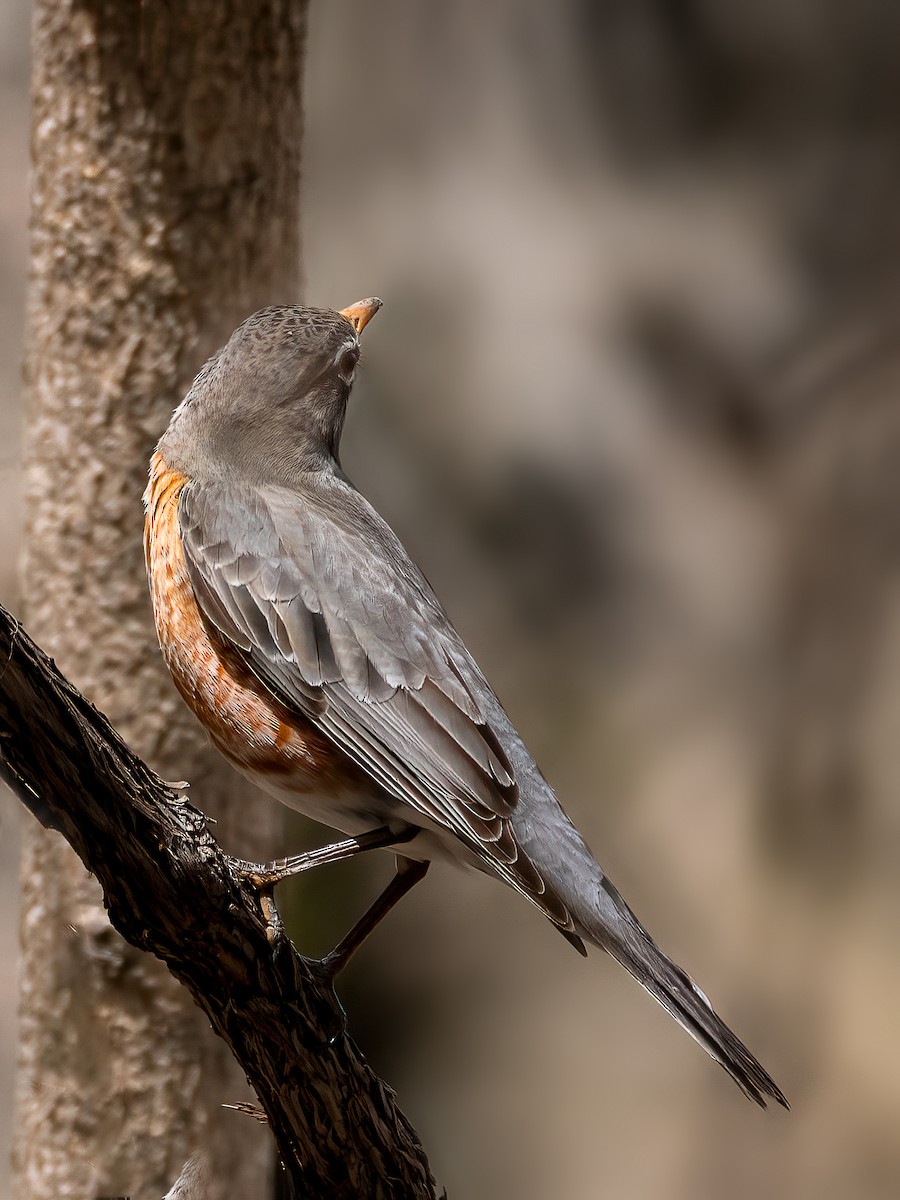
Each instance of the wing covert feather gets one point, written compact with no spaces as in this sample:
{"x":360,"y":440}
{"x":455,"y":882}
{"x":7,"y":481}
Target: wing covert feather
{"x":321,"y":600}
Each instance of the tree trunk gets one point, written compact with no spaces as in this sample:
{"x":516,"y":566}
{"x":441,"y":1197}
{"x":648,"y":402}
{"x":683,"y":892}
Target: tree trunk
{"x":166,"y":144}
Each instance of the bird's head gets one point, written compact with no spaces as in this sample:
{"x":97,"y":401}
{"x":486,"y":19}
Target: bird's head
{"x":272,"y":401}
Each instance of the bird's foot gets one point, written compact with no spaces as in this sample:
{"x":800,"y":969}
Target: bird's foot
{"x":330,"y":965}
{"x":264,"y":876}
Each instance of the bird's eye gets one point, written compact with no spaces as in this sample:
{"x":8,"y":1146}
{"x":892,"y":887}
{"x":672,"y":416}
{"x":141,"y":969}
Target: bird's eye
{"x":347,"y":364}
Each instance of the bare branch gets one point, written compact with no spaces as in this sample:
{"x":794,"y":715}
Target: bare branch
{"x":170,"y":890}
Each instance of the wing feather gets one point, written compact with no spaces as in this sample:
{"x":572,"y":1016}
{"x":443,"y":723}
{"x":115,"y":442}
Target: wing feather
{"x":319,"y":597}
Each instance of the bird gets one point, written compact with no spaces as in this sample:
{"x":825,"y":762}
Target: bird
{"x":298,"y":629}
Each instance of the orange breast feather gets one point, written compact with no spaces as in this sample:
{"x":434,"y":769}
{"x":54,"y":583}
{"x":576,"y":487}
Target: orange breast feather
{"x":247,"y":724}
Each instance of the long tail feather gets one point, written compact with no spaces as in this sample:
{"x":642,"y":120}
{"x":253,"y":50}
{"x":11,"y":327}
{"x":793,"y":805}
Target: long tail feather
{"x":628,"y":942}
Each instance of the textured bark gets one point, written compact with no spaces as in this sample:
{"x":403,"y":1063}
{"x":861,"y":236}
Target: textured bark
{"x":165,"y":207}
{"x":170,"y":890}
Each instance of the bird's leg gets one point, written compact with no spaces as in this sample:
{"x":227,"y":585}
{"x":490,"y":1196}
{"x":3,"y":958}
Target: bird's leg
{"x":409,"y":873}
{"x":266,"y":875}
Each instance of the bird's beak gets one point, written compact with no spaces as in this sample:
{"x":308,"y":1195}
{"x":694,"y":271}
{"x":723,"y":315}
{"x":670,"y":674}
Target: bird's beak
{"x":362,"y":312}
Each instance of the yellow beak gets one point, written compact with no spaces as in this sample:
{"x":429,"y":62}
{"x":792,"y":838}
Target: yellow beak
{"x":362,"y":312}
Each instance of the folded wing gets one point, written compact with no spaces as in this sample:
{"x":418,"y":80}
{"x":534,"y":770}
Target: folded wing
{"x":323,"y":603}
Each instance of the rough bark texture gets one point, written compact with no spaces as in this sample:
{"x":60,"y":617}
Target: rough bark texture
{"x":165,"y":207}
{"x":170,"y":890}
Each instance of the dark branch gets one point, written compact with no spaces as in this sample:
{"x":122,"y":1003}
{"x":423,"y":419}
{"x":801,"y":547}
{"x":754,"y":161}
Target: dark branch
{"x":169,"y":889}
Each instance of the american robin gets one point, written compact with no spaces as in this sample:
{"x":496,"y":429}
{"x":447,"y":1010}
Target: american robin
{"x":300,"y":632}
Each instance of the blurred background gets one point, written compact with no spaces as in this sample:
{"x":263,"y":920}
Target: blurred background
{"x":632,"y":404}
